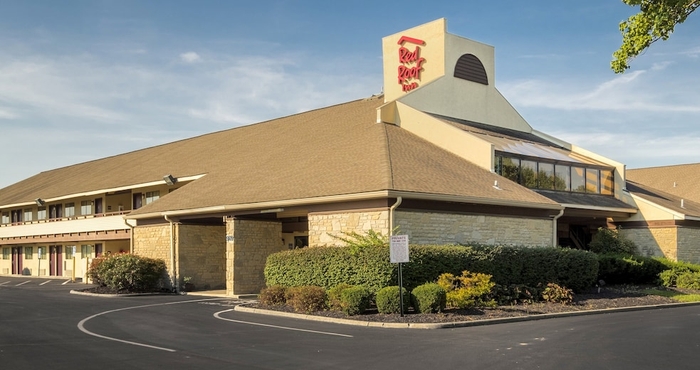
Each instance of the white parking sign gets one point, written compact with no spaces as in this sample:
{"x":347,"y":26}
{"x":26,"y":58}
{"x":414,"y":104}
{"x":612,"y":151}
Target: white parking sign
{"x":398,"y":245}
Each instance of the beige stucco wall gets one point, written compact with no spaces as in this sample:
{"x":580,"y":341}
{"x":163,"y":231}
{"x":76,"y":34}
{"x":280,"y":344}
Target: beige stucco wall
{"x":201,"y":255}
{"x":248,"y":243}
{"x":659,"y":241}
{"x":433,"y":34}
{"x":323,"y":226}
{"x":446,"y":228}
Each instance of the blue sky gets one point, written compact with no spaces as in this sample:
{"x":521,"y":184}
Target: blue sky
{"x":82,"y":80}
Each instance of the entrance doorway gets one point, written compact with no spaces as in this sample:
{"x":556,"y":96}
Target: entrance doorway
{"x":16,"y":260}
{"x":55,"y":260}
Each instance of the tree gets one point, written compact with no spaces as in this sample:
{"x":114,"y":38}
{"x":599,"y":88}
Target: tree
{"x":655,"y":21}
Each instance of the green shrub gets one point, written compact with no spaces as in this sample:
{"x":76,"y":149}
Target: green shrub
{"x":388,"y":300}
{"x":334,"y":301}
{"x":355,"y":300}
{"x":555,"y":293}
{"x":129,"y":272}
{"x":306,"y":299}
{"x":273,"y":296}
{"x":689,"y":280}
{"x":674,"y":270}
{"x":610,"y":241}
{"x":468,"y":290}
{"x":429,"y":298}
{"x":516,"y":294}
{"x":628,"y":269}
{"x":329,"y":266}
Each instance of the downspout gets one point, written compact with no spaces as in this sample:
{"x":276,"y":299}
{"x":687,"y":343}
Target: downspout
{"x":391,"y":215}
{"x":554,"y":228}
{"x":131,"y":236}
{"x":173,"y":271}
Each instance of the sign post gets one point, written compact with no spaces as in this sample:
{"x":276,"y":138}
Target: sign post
{"x":38,"y":269}
{"x":398,"y":253}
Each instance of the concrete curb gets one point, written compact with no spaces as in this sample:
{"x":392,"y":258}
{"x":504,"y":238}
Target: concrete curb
{"x":459,"y":324}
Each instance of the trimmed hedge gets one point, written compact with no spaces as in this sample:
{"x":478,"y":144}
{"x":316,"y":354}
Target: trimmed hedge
{"x":355,"y":300}
{"x":330,"y":266}
{"x":429,"y":298}
{"x":629,"y":269}
{"x":388,"y":300}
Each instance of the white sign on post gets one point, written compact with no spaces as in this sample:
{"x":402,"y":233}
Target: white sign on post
{"x":398,"y":245}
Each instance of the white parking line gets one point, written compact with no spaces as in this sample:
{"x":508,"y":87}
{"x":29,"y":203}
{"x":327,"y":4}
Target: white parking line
{"x":81,"y":324}
{"x":7,"y":282}
{"x":46,"y":282}
{"x":23,"y":283}
{"x":66,"y":282}
{"x":218,"y":316}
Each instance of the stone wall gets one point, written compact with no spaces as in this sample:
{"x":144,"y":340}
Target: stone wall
{"x":323,"y":225}
{"x":201,"y":255}
{"x":154,"y":241}
{"x":446,"y":228}
{"x":248,"y":243}
{"x":689,"y":244}
{"x":658,"y":241}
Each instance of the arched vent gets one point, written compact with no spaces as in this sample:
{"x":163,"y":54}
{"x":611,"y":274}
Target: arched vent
{"x":469,"y":68}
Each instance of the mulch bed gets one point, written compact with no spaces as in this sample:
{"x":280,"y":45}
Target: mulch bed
{"x":609,"y":297}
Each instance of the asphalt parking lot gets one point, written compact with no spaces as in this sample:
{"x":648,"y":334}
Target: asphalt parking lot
{"x":43,"y":326}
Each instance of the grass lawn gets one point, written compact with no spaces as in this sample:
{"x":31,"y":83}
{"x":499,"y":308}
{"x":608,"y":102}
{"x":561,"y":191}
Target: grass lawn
{"x":675,"y":295}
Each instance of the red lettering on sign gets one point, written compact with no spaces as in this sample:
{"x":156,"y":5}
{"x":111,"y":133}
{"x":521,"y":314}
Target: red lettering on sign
{"x":411,"y":64}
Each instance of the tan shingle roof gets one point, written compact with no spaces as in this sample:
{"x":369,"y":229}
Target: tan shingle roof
{"x":664,"y":199}
{"x":685,"y":176}
{"x":331,"y":151}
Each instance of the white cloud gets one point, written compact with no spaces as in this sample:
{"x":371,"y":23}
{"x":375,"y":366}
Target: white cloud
{"x":632,"y":91}
{"x":7,"y":114}
{"x":190,"y":57}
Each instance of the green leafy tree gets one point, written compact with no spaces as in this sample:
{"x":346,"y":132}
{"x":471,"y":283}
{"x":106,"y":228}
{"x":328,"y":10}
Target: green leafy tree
{"x":655,"y":21}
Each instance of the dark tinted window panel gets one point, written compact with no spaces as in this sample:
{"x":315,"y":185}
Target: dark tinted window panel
{"x":469,"y":68}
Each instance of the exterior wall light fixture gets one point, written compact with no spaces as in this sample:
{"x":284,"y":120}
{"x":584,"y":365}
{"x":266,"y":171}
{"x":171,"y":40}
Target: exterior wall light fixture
{"x":39,"y":202}
{"x":169,"y":179}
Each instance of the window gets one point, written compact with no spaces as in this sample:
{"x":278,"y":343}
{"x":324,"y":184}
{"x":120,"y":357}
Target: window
{"x":69,"y":251}
{"x":27,"y":215}
{"x":549,"y":175}
{"x":6,"y":253}
{"x":41,"y":213}
{"x":41,"y":251}
{"x":545,"y":176}
{"x":85,"y":251}
{"x":607,"y":182}
{"x":28,"y":253}
{"x":578,"y":180}
{"x":86,"y":207}
{"x":592,"y":182}
{"x":56,"y":211}
{"x":511,"y":169}
{"x":152,"y":196}
{"x":70,"y":210}
{"x":562,"y":179}
{"x":5,"y":218}
{"x":16,"y":216}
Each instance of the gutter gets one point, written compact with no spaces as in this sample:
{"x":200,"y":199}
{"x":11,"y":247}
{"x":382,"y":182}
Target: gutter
{"x":555,"y":239}
{"x":131,"y":236}
{"x":391,"y":215}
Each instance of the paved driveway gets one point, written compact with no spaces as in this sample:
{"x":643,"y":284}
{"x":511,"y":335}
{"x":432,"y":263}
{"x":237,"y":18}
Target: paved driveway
{"x":42,"y":326}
